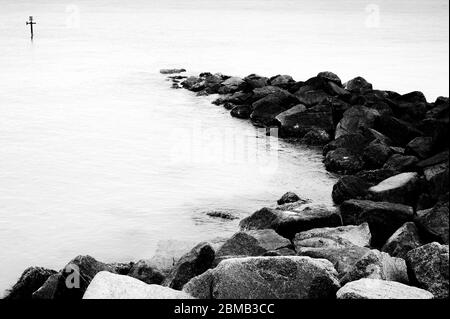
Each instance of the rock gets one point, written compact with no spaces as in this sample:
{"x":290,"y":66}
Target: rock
{"x":53,"y":288}
{"x":238,"y":98}
{"x":434,"y":222}
{"x":266,"y":109}
{"x":403,"y":188}
{"x":330,"y":76}
{"x":354,"y":119}
{"x":171,"y":71}
{"x":192,"y":264}
{"x":349,"y":187}
{"x":401,"y":163}
{"x":376,"y":154}
{"x":106,"y":285}
{"x":316,"y":137}
{"x":440,"y":158}
{"x":374,"y":135}
{"x":241,"y":112}
{"x":288,"y":223}
{"x":367,"y":288}
{"x":193,"y":83}
{"x":374,"y":177}
{"x":336,"y":237}
{"x":232,"y":85}
{"x":30,"y":281}
{"x":122,"y":268}
{"x":286,"y":277}
{"x":439,"y":111}
{"x":384,"y":218}
{"x":378,"y":265}
{"x":358,"y":85}
{"x":221,"y":214}
{"x":337,"y":90}
{"x":144,"y":271}
{"x":399,"y":131}
{"x":212,"y":83}
{"x":256,"y":81}
{"x":428,"y":266}
{"x":260,"y":93}
{"x":280,"y":252}
{"x":288,"y":197}
{"x":310,"y":97}
{"x":252,"y":243}
{"x":403,"y":240}
{"x":353,"y":142}
{"x":282,"y":81}
{"x":420,"y":146}
{"x":343,"y":161}
{"x":437,"y":178}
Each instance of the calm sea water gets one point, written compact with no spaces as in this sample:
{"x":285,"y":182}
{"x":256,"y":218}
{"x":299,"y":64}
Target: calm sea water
{"x":99,"y":156}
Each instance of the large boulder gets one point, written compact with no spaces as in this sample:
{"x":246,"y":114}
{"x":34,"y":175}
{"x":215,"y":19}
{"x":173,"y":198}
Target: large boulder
{"x":358,"y":85}
{"x":106,"y":285}
{"x":330,"y":77}
{"x":355,"y":119}
{"x":383,"y":218}
{"x":401,"y":163}
{"x":232,"y":85}
{"x":375,"y":176}
{"x":238,"y":98}
{"x":241,"y":112}
{"x":421,"y":147}
{"x":30,"y":281}
{"x":343,"y":161}
{"x":192,"y":264}
{"x":403,"y":188}
{"x":376,"y":154}
{"x":404,"y":239}
{"x":146,"y":272}
{"x":288,"y":223}
{"x":260,"y":93}
{"x":353,"y":142}
{"x":434,"y":222}
{"x":349,"y":187}
{"x":286,"y":277}
{"x":256,"y":81}
{"x":193,"y":83}
{"x":288,"y":197}
{"x":436,"y":171}
{"x":282,"y":81}
{"x":399,"y":131}
{"x":428,"y":268}
{"x":310,"y":96}
{"x":316,"y":137}
{"x":378,"y":265}
{"x":266,"y":109}
{"x":368,"y":288}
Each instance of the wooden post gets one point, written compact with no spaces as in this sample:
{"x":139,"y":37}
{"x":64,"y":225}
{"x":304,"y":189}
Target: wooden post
{"x":31,"y":26}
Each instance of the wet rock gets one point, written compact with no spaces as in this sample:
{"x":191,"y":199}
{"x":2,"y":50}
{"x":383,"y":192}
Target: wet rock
{"x":30,"y":281}
{"x":222,"y":214}
{"x":399,"y":131}
{"x":266,"y":109}
{"x":343,"y":161}
{"x":241,"y":112}
{"x":287,"y":277}
{"x":232,"y":85}
{"x":378,"y":265}
{"x":238,"y":98}
{"x":403,"y":188}
{"x":434,"y":222}
{"x":358,"y":85}
{"x":376,"y":154}
{"x":354,"y":142}
{"x":428,"y":268}
{"x":401,"y":163}
{"x":256,"y":81}
{"x":316,"y":137}
{"x":106,"y":285}
{"x":383,"y":218}
{"x":420,"y":146}
{"x":380,"y":289}
{"x":193,"y":83}
{"x":260,"y":93}
{"x":404,"y":239}
{"x":330,"y":76}
{"x":354,"y":119}
{"x":288,"y":197}
{"x":192,"y":264}
{"x":171,"y":71}
{"x":349,"y":187}
{"x":282,"y":81}
{"x":310,"y":97}
{"x":374,"y":177}
{"x":144,"y":271}
{"x":288,"y":223}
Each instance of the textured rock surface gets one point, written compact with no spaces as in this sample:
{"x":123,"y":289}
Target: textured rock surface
{"x":288,"y":197}
{"x":30,"y":281}
{"x":402,"y":188}
{"x":343,"y":161}
{"x":349,"y":187}
{"x":144,"y":271}
{"x":434,"y":222}
{"x":403,"y":240}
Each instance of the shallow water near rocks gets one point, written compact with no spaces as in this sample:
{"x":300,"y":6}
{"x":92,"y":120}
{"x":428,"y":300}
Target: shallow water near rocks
{"x":99,"y":156}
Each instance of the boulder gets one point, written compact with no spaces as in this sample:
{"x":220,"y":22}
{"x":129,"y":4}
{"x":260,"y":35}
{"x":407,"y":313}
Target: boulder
{"x":374,"y":177}
{"x":30,"y":281}
{"x":421,"y":147}
{"x":122,"y":268}
{"x":338,"y":107}
{"x":428,"y":268}
{"x":256,"y":81}
{"x":403,"y":188}
{"x":330,"y":76}
{"x":241,"y":112}
{"x":367,"y":288}
{"x":376,"y":154}
{"x":374,"y":135}
{"x":401,"y":163}
{"x":310,"y":97}
{"x":383,"y":218}
{"x":316,"y":137}
{"x":224,"y":214}
{"x":106,"y":285}
{"x":437,"y":178}
{"x":288,"y":223}
{"x":266,"y":109}
{"x":354,"y":142}
{"x":399,"y":131}
{"x":192,"y":264}
{"x":232,"y":85}
{"x":413,"y":97}
{"x":404,"y":239}
{"x":349,"y":187}
{"x":238,"y":98}
{"x":434,"y":222}
{"x":358,"y":85}
{"x":260,"y":93}
{"x":146,"y":272}
{"x":193,"y":83}
{"x":336,"y":90}
{"x":171,"y":71}
{"x":378,"y":265}
{"x":285,"y":277}
{"x":288,"y":197}
{"x":282,"y":81}
{"x":343,"y":161}
{"x":356,"y":118}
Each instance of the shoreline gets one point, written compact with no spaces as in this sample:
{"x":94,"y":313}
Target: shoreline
{"x":389,"y":224}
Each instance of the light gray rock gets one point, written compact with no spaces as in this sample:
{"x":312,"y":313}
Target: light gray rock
{"x":403,"y":188}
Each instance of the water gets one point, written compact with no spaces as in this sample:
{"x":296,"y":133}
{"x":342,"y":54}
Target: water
{"x":99,"y":156}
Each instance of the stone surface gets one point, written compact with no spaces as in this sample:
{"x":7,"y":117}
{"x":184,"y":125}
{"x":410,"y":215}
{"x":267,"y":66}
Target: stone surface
{"x":265,"y":110}
{"x":421,"y":147}
{"x":399,"y":131}
{"x":256,"y":81}
{"x":428,"y":268}
{"x":349,"y":187}
{"x":282,"y":81}
{"x":241,"y":112}
{"x":404,"y":239}
{"x":354,"y":119}
{"x":376,"y":154}
{"x":381,"y":289}
{"x":232,"y":85}
{"x":354,"y":142}
{"x":434,"y":222}
{"x":403,"y":188}
{"x":288,"y":197}
{"x":383,"y":218}
{"x":106,"y":285}
{"x":310,"y":96}
{"x":30,"y":281}
{"x":343,"y":161}
{"x":144,"y":271}
{"x":286,"y":277}
{"x":316,"y":137}
{"x":375,"y":176}
{"x":358,"y":85}
{"x":171,"y":71}
{"x":401,"y":163}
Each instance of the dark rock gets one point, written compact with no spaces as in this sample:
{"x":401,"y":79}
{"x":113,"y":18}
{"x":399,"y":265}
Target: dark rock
{"x":241,"y":112}
{"x":266,"y":109}
{"x":145,"y":272}
{"x":399,"y":131}
{"x":434,"y":160}
{"x":222,"y":214}
{"x":343,"y":161}
{"x":413,"y":97}
{"x":349,"y":187}
{"x":428,"y":268}
{"x":383,"y":218}
{"x":358,"y":85}
{"x":411,"y":112}
{"x":316,"y":137}
{"x":238,"y":98}
{"x":338,"y":108}
{"x":30,"y":281}
{"x":282,"y":81}
{"x":437,"y":176}
{"x":232,"y":85}
{"x":421,"y":147}
{"x":287,"y":277}
{"x":192,"y":264}
{"x":403,"y":188}
{"x":53,"y":288}
{"x":122,"y":268}
{"x":256,"y":81}
{"x":439,"y":111}
{"x":401,"y":163}
{"x":355,"y":119}
{"x":330,"y":76}
{"x":229,"y":106}
{"x":434,"y":222}
{"x":280,"y":252}
{"x":376,"y":154}
{"x":193,"y":83}
{"x":374,"y":135}
{"x":337,"y":90}
{"x":404,"y":239}
{"x":288,"y":223}
{"x":353,"y":142}
{"x":288,"y":197}
{"x":311,"y":97}
{"x":374,"y":177}
{"x":171,"y":71}
{"x":260,"y":93}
